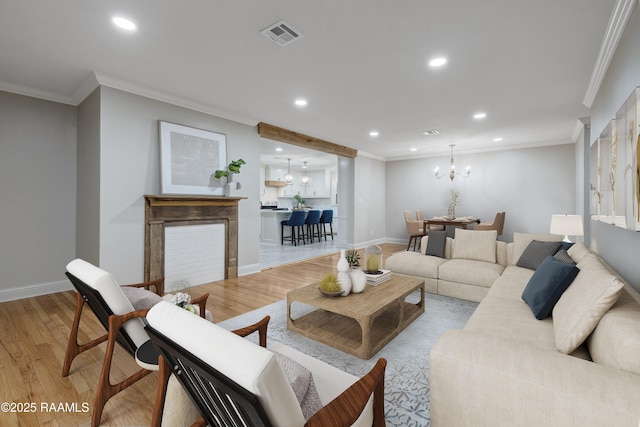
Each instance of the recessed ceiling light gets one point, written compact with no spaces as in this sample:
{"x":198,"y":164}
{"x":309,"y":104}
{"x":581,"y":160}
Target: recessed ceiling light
{"x":438,"y":62}
{"x":413,"y":149}
{"x":498,"y":139}
{"x":301,"y":102}
{"x":479,"y":116}
{"x":374,"y":133}
{"x":278,"y":149}
{"x":124,"y":23}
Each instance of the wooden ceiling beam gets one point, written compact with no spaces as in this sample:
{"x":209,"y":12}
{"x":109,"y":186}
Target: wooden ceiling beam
{"x":275,"y":133}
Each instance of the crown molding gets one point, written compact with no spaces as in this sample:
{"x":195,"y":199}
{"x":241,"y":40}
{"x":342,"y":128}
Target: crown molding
{"x":36,"y":93}
{"x":147,"y":92}
{"x":86,"y":88}
{"x":618,"y":21}
{"x":577,"y":130}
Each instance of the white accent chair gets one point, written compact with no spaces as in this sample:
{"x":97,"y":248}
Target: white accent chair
{"x":122,"y":322}
{"x":233,"y":381}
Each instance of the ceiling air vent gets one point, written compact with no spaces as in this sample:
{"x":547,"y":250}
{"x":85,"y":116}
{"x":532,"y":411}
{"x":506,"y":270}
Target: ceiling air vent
{"x":431,"y":132}
{"x":282,"y":33}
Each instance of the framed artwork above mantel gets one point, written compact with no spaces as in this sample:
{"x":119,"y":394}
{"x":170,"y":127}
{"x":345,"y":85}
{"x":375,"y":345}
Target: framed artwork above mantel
{"x":188,"y":159}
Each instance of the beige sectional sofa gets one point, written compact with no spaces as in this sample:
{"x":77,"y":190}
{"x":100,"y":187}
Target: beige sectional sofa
{"x":578,"y":367}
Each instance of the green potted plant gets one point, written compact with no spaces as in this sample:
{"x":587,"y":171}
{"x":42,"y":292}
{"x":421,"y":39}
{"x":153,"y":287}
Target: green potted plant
{"x":300,"y":200}
{"x":234,"y":167}
{"x":230,"y":186}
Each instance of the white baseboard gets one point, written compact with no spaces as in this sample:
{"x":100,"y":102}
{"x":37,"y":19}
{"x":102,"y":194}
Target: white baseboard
{"x":369,"y":242}
{"x":36,"y":290}
{"x":396,"y":240}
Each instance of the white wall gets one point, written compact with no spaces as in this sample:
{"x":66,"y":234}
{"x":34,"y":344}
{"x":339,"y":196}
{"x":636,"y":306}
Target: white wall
{"x":528,"y":184}
{"x":619,"y":247}
{"x":129,"y":169}
{"x":37,"y":187}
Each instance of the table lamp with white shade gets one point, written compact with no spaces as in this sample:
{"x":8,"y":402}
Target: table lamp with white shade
{"x":567,"y":225}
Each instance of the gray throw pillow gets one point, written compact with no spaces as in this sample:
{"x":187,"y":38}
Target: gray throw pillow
{"x":302,"y":384}
{"x":536,"y":252}
{"x":563,"y":256}
{"x":436,"y":243}
{"x":140,"y":298}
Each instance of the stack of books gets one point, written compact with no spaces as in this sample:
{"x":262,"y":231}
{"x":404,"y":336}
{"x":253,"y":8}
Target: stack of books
{"x":376,"y":279}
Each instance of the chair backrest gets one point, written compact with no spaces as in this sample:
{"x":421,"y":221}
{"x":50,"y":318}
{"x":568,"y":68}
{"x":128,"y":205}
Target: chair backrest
{"x":413,"y":226}
{"x":327,"y":216}
{"x":313,"y":217}
{"x":497,"y":224}
{"x":231,"y":380}
{"x":103,"y":294}
{"x":500,"y":228}
{"x":296,"y":218}
{"x":420,"y":215}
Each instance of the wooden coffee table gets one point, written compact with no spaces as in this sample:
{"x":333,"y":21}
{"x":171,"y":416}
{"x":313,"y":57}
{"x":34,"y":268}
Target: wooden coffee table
{"x":359,"y":324}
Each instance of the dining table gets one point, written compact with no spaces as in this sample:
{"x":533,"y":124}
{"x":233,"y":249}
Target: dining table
{"x":462,"y":221}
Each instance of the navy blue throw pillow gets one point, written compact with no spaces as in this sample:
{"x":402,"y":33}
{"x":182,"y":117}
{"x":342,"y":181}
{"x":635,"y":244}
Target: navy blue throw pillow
{"x":551,"y":279}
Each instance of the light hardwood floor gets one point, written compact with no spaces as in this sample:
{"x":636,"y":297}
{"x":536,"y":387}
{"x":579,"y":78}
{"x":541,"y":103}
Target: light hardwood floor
{"x":34,"y":335}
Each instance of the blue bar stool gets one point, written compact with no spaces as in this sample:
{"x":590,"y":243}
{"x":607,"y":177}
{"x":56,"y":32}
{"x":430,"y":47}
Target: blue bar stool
{"x":296,"y":220}
{"x":326,"y":218}
{"x":313,"y":224}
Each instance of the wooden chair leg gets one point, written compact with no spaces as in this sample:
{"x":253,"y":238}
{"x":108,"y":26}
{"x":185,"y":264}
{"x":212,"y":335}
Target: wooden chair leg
{"x":106,"y":390}
{"x":73,"y":348}
{"x":161,"y":392}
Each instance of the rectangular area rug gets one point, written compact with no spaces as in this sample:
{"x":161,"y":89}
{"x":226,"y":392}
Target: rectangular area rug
{"x":407,"y":374}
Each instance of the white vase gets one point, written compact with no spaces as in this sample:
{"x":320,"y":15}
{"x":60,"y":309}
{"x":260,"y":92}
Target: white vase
{"x":345,"y":282}
{"x":358,"y":280}
{"x":232,"y":188}
{"x":343,"y":264}
{"x":343,"y":274}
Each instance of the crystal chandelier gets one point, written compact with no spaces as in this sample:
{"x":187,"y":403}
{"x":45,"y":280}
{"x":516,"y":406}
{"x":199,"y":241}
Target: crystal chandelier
{"x":304,"y":179}
{"x":288,"y":178}
{"x":452,"y":169}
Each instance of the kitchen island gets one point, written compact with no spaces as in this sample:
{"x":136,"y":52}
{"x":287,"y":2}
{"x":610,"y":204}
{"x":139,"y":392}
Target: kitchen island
{"x":270,"y":230}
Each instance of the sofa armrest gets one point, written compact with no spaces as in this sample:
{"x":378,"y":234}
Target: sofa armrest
{"x":480,"y":380}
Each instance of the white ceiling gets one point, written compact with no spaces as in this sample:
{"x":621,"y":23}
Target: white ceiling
{"x":362,"y":64}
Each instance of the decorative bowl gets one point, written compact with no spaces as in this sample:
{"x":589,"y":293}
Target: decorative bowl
{"x":330,"y":294}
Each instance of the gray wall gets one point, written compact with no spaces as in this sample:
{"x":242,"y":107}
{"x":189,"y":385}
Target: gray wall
{"x":619,"y":247}
{"x":88,"y":182}
{"x":129,"y":168}
{"x":528,"y":184}
{"x":370,"y":198}
{"x":37,"y":188}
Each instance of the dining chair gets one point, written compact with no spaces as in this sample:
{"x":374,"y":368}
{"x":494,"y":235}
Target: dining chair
{"x":497,"y":224}
{"x":414,"y":228}
{"x":327,"y":218}
{"x":421,"y":218}
{"x":296,"y":222}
